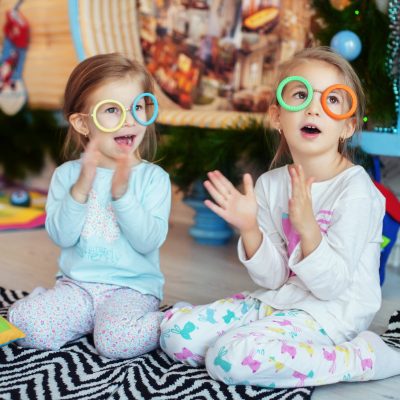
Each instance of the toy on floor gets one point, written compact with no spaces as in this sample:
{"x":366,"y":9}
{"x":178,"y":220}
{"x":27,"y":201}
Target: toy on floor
{"x":20,"y":198}
{"x":391,"y":225}
{"x":8,"y":332}
{"x":391,"y":220}
{"x":21,"y":209}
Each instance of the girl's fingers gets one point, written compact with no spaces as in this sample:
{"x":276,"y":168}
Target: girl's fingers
{"x":92,"y":145}
{"x":224,"y":180}
{"x":218,"y":210}
{"x":300,"y":173}
{"x":302,"y":180}
{"x":248,"y":185}
{"x":221,"y":183}
{"x":300,"y":185}
{"x":309,"y":183}
{"x":295,"y":182}
{"x":215,"y":194}
{"x":125,"y":150}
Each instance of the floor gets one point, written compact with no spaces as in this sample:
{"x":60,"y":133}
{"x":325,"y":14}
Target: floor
{"x":195,"y":273}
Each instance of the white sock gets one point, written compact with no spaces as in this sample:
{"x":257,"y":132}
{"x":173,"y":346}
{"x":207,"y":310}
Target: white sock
{"x":387,"y":359}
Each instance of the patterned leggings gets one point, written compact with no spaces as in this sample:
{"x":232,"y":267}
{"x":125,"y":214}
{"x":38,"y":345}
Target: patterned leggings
{"x":124,"y":322}
{"x":243,"y":341}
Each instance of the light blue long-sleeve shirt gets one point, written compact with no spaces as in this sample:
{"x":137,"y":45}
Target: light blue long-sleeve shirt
{"x":106,"y":241}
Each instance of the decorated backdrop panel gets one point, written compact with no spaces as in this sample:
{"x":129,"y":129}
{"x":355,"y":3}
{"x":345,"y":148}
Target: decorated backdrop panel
{"x":220,"y":54}
{"x":214,"y":61}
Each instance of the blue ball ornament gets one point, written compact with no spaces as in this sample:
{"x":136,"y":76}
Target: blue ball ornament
{"x":20,"y":198}
{"x":347,"y":44}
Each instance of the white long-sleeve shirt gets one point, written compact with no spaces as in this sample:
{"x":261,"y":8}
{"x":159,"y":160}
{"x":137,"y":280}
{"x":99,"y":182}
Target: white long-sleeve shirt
{"x":338,"y":283}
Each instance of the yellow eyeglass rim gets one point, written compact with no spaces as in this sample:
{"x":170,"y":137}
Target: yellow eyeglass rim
{"x":96,"y":122}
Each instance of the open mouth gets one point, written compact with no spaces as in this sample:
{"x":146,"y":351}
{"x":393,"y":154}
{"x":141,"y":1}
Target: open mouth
{"x":310,"y":130}
{"x":126,"y":140}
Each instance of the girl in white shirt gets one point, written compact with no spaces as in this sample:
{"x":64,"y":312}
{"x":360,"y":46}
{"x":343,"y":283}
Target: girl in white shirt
{"x":310,"y":235}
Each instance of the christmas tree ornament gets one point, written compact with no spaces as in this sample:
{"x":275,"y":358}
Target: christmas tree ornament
{"x":16,"y":38}
{"x":340,"y":4}
{"x":347,"y":44}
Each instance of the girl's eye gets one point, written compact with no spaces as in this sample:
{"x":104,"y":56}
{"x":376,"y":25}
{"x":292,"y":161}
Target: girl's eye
{"x":112,"y":110}
{"x":139,"y":107}
{"x":300,"y":95}
{"x":333,"y":99}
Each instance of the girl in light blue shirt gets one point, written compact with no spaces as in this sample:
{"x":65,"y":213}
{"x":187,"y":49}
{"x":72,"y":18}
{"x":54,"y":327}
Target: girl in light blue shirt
{"x":108,"y":212}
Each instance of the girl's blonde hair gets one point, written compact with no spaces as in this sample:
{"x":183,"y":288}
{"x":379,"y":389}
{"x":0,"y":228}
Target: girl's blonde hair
{"x":326,"y":54}
{"x":89,"y":75}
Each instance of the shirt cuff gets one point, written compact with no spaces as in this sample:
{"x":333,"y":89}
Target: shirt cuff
{"x":311,"y":263}
{"x":126,"y":202}
{"x":257,"y":258}
{"x":74,"y":207}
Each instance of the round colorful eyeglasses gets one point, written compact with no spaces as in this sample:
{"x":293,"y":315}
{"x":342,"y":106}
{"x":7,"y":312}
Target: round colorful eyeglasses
{"x":110,"y":115}
{"x":295,"y":93}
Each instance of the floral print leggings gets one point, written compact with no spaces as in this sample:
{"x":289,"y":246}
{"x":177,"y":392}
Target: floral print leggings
{"x":124,"y":322}
{"x":243,"y":341}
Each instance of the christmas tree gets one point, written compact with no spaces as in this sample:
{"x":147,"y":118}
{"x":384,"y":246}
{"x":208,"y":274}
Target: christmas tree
{"x":371,"y":22}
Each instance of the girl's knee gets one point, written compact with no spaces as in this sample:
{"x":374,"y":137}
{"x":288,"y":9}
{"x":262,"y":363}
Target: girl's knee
{"x":117,"y":348}
{"x":113,"y":349}
{"x":233,"y":363}
{"x":175,"y":317}
{"x":116,"y":340}
{"x":219,"y":366}
{"x":175,"y":337}
{"x":38,"y":333}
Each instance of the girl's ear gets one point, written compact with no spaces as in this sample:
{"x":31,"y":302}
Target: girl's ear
{"x":349,"y":128}
{"x":78,"y":122}
{"x":273,"y":114}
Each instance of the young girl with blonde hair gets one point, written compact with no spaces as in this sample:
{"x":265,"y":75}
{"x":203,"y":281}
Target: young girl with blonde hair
{"x":310,"y":235}
{"x":108,"y":212}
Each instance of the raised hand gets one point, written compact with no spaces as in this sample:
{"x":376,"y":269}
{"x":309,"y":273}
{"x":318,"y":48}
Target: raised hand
{"x":240,"y":210}
{"x":121,"y":176}
{"x":82,"y":187}
{"x":301,"y":212}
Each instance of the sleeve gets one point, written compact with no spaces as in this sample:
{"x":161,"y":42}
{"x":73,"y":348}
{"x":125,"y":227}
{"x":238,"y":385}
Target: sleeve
{"x":269,"y":265}
{"x":64,"y":216}
{"x":329,"y":269}
{"x":145,"y":224}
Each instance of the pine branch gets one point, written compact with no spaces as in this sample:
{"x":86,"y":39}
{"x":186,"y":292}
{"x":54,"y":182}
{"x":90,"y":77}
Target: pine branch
{"x":372,"y":27}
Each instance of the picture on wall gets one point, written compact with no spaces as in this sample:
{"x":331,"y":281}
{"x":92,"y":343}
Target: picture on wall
{"x":220,"y":54}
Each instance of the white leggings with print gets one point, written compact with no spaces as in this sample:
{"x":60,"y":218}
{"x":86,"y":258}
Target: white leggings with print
{"x":124,"y":322}
{"x":243,"y":341}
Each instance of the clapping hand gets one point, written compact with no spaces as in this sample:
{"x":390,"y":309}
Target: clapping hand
{"x":300,"y":204}
{"x":240,"y":210}
{"x":121,"y":176}
{"x":80,"y":190}
{"x":301,"y":213}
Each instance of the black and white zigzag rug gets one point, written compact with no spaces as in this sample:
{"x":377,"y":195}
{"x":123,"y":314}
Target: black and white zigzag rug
{"x":78,"y":372}
{"x":392,"y":334}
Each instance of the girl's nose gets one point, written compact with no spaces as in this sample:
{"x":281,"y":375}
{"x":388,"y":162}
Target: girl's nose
{"x":129,"y":121}
{"x":315,"y":106}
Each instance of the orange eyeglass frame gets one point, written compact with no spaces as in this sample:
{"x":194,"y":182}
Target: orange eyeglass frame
{"x":346,"y":88}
